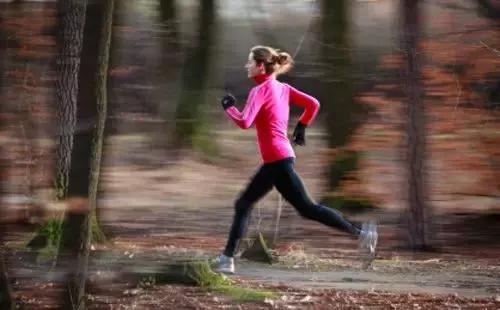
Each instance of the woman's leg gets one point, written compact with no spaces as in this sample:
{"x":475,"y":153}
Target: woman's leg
{"x":289,"y":184}
{"x":260,"y":185}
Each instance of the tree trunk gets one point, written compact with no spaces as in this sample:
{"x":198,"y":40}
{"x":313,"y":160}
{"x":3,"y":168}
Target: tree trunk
{"x":195,"y":74}
{"x":86,"y":102}
{"x":170,"y":84}
{"x":102,"y":106}
{"x":6,"y":301}
{"x":82,"y":215}
{"x":335,"y":52}
{"x":73,"y":253}
{"x":5,"y":291}
{"x":72,"y":20}
{"x":168,"y":16}
{"x":415,"y":130}
{"x":343,"y":113}
{"x":89,"y":113}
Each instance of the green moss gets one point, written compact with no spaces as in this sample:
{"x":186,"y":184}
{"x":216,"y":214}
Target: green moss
{"x":203,"y":275}
{"x":48,"y":235}
{"x":199,"y":273}
{"x":196,"y":273}
{"x":46,"y":240}
{"x":98,"y":235}
{"x":259,"y":251}
{"x":52,"y":230}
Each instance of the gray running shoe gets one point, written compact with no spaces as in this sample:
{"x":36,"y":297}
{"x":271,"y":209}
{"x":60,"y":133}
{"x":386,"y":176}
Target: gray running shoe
{"x":225,"y":264}
{"x":368,"y":239}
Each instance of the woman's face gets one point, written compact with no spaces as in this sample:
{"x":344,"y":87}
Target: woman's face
{"x":253,"y":69}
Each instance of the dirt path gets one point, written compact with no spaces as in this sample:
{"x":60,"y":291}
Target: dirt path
{"x":447,"y":282}
{"x":116,"y":278}
{"x":437,"y":277}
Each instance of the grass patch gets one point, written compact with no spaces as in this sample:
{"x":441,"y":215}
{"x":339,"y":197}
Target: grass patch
{"x":200,"y":273}
{"x":47,"y":239}
{"x":204,"y":276}
{"x":51,"y":231}
{"x":214,"y":282}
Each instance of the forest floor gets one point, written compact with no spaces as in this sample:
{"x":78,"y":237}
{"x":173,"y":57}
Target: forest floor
{"x":317,"y":268}
{"x":304,"y":277}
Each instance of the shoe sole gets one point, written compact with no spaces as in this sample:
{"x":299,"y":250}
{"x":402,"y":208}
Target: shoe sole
{"x":225,"y":271}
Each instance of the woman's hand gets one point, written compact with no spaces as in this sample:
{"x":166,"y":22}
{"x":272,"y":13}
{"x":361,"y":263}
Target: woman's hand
{"x":227,"y":101}
{"x":299,"y":134}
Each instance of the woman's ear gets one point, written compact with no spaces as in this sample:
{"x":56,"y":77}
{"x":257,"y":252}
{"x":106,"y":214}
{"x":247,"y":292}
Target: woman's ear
{"x":262,"y":68}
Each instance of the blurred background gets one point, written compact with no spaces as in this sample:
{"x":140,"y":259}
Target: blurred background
{"x":113,"y":113}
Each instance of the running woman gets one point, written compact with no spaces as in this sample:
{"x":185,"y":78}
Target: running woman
{"x":268,"y":107}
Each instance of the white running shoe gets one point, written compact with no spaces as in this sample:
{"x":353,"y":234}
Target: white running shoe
{"x":225,"y":264}
{"x":368,"y":239}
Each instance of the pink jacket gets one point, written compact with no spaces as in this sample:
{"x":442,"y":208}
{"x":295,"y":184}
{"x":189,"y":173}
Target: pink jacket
{"x":268,"y":106}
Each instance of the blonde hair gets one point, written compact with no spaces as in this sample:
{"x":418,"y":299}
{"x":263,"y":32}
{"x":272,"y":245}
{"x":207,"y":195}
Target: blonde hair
{"x":274,"y":60}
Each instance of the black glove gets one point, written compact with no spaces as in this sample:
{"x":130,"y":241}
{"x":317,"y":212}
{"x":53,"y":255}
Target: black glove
{"x":299,"y":134}
{"x":227,"y":101}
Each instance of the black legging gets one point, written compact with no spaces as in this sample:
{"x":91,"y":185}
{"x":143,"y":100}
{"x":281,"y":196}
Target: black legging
{"x":282,"y":175}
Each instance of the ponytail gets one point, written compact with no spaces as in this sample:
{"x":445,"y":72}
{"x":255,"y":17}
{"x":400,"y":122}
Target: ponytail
{"x":285,"y":62}
{"x":274,"y":60}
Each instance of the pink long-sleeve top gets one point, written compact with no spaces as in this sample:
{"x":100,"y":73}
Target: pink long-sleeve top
{"x":268,"y":107}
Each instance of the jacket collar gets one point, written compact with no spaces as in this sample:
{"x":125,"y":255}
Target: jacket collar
{"x":259,"y":79}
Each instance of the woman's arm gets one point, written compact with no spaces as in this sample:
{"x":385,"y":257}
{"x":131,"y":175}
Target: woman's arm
{"x":309,"y":103}
{"x":246,"y":118}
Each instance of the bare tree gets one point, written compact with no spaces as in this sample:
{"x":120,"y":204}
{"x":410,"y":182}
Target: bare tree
{"x":102,"y":106}
{"x":72,"y":20}
{"x":92,"y":107}
{"x":6,"y":301}
{"x":415,"y":130}
{"x":5,"y":291}
{"x":70,"y":42}
{"x":83,"y":211}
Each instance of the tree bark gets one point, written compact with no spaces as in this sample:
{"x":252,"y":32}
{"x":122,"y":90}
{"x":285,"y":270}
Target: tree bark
{"x":6,"y":301}
{"x":102,"y":107}
{"x":72,"y":20}
{"x":86,"y":102}
{"x":82,"y":215}
{"x":415,"y":127}
{"x":89,"y":112}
